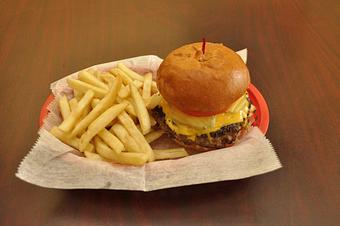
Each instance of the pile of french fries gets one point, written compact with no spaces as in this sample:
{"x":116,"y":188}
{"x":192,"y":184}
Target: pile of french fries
{"x":108,"y":118}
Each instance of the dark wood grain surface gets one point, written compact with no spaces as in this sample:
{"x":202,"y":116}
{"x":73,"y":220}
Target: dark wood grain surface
{"x":293,"y":59}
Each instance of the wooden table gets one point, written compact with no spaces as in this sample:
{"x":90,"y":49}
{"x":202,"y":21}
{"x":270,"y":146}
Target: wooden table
{"x":293,"y":59}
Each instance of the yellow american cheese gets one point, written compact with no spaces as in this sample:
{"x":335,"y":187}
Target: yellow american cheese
{"x":192,"y":126}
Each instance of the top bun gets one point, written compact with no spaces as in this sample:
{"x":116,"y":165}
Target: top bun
{"x":202,"y":84}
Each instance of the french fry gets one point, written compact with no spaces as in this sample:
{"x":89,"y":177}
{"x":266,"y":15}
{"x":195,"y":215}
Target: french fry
{"x":124,"y":92}
{"x":132,"y":158}
{"x":128,"y":123}
{"x":152,"y":120}
{"x":95,"y":102}
{"x":77,"y":94}
{"x":130,"y":72}
{"x":93,"y":156}
{"x":142,"y":112}
{"x":119,"y":73}
{"x":64,"y":107}
{"x":100,"y":123}
{"x":153,"y":101}
{"x":111,"y":140}
{"x":97,"y":74}
{"x":92,"y":80}
{"x":89,"y":148}
{"x":111,"y":124}
{"x":68,"y":124}
{"x":81,"y":86}
{"x":138,"y":84}
{"x":103,"y":150}
{"x":135,"y":120}
{"x":73,"y":142}
{"x":122,"y":158}
{"x":73,"y":103}
{"x":123,"y":135}
{"x":154,"y":88}
{"x":106,"y":77}
{"x":103,"y":105}
{"x":86,"y":111}
{"x":129,"y":108}
{"x":147,"y":86}
{"x":170,"y":153}
{"x":154,"y":135}
{"x":91,"y":70}
{"x":139,"y":128}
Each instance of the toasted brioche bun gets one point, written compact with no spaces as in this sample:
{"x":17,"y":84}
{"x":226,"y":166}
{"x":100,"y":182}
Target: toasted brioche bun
{"x":202,"y":84}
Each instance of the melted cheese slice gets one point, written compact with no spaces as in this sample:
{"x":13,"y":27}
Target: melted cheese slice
{"x":192,"y":126}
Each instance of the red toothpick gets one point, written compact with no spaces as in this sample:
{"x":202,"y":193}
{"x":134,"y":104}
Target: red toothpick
{"x":203,"y":45}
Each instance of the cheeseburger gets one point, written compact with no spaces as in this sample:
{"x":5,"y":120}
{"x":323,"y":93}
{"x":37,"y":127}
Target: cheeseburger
{"x":205,"y":104}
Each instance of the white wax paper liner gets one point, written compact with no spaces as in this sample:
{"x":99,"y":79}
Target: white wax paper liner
{"x":53,"y":164}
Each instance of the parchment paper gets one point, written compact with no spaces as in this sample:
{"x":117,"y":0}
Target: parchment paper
{"x":53,"y":164}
